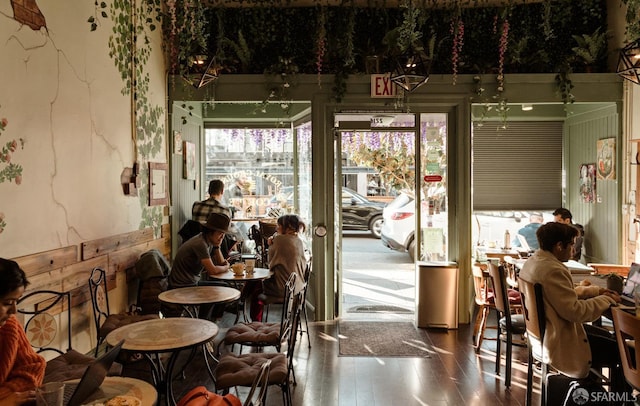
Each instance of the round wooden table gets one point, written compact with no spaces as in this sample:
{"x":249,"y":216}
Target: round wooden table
{"x":238,"y":281}
{"x":122,"y":386}
{"x":169,"y":335}
{"x":192,"y":297}
{"x":257,"y":275}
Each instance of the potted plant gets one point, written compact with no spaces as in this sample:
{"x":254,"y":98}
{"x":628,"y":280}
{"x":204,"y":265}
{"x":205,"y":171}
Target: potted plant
{"x":591,"y":48}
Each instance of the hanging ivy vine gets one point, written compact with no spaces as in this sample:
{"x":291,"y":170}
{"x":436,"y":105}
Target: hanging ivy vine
{"x":130,"y":49}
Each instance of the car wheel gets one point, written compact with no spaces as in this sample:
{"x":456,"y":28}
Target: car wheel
{"x":412,"y":250}
{"x":375,"y":226}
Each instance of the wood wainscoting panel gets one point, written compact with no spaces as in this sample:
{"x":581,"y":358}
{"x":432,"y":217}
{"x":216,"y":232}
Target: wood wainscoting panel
{"x":102,"y":246}
{"x":47,"y":261}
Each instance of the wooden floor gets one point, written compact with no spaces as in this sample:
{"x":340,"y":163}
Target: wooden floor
{"x":453,"y":375}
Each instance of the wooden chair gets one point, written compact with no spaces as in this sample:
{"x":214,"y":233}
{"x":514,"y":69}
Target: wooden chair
{"x":627,"y":328}
{"x":106,"y":322}
{"x":511,"y":271}
{"x":242,"y":370}
{"x":485,"y":300}
{"x":509,"y":325}
{"x":535,"y":322}
{"x":47,"y":324}
{"x":264,"y":334}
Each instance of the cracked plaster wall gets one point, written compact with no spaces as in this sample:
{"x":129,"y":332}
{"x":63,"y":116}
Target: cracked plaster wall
{"x":61,"y":93}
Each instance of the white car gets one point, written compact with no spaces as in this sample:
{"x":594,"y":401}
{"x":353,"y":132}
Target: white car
{"x":398,"y":227}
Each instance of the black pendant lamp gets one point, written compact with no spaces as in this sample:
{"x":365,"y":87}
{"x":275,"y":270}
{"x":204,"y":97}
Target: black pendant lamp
{"x":629,"y":62}
{"x":412,"y":70}
{"x":201,"y":70}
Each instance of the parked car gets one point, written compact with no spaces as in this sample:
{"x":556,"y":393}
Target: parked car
{"x":358,"y":212}
{"x":398,"y":227}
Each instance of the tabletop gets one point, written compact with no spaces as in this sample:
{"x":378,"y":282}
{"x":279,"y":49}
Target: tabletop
{"x":258,"y":274}
{"x":160,"y":335}
{"x":575,"y":267}
{"x":122,"y":386}
{"x":198,"y":295}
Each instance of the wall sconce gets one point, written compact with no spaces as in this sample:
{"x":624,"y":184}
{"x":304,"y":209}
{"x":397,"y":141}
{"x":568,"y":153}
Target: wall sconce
{"x":629,"y":62}
{"x":412,"y":70}
{"x":527,"y":106}
{"x":201,"y":70}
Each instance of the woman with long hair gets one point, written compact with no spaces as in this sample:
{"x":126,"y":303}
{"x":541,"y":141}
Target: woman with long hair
{"x":21,"y":369}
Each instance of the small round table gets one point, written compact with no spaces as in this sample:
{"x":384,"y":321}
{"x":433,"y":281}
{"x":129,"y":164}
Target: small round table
{"x":172,"y":335}
{"x":192,"y":297}
{"x":237,"y":281}
{"x":122,"y":386}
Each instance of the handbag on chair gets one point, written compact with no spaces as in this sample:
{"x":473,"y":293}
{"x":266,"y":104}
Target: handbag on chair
{"x":201,"y":396}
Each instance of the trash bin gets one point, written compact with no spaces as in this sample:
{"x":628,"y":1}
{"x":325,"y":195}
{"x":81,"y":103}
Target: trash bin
{"x":437,"y":294}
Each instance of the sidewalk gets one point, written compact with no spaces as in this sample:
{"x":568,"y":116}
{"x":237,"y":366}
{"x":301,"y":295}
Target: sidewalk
{"x":378,"y":284}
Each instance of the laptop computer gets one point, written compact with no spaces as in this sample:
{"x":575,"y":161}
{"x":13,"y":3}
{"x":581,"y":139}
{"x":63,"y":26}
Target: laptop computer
{"x":76,"y":393}
{"x":633,"y":280}
{"x":524,"y":245}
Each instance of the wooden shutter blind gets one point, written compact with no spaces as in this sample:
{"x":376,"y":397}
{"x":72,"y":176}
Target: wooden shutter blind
{"x":517,"y":168}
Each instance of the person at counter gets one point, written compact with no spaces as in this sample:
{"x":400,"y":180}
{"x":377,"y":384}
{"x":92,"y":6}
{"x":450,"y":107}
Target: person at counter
{"x":529,"y":232}
{"x":572,"y":347}
{"x":21,"y":369}
{"x":562,"y":215}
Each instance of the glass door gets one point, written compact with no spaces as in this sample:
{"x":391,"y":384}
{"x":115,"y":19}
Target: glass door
{"x":433,"y":163}
{"x":375,"y":164}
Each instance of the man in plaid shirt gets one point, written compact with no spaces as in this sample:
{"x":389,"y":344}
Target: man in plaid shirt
{"x":200,"y":212}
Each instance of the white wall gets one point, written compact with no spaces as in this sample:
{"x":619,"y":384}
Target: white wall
{"x":61,"y":94}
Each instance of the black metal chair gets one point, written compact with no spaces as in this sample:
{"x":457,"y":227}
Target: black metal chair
{"x":47,"y":324}
{"x":106,"y":322}
{"x":242,"y":370}
{"x":265,"y":334}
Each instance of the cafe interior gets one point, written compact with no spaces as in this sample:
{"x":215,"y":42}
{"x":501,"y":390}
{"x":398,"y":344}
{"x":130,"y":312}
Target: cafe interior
{"x":115,"y":115}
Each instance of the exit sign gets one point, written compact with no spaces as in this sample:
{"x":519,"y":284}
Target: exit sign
{"x":382,"y":86}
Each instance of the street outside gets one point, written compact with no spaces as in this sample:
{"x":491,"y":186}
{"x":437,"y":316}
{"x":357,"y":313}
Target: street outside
{"x":377,"y":283}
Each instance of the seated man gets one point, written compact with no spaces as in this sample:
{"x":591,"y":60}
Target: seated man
{"x":529,"y":232}
{"x":571,"y":349}
{"x":200,"y":212}
{"x":562,"y":215}
{"x":201,"y":254}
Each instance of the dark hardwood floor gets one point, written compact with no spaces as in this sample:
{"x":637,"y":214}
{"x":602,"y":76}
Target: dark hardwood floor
{"x":453,"y":375}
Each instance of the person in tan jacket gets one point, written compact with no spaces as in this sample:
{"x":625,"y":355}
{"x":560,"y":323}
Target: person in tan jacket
{"x":570,"y":348}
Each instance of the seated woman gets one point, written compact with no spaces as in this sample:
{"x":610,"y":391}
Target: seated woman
{"x":286,"y":256}
{"x":21,"y":369}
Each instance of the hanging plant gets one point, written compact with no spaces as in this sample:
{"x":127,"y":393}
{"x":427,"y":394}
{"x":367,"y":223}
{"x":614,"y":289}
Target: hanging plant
{"x":457,"y":32}
{"x":564,"y":86}
{"x":321,"y":43}
{"x":502,"y":49}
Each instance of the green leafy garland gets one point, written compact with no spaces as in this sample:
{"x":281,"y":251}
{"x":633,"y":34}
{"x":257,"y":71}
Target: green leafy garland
{"x":130,"y":49}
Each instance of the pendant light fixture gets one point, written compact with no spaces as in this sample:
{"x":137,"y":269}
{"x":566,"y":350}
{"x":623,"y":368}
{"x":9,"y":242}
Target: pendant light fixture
{"x":201,"y":70}
{"x":629,"y":62}
{"x":411,"y":68}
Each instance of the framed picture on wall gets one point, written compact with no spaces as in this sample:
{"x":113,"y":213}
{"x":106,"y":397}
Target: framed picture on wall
{"x":606,"y":149}
{"x":189,"y":160}
{"x":158,"y":184}
{"x":587,"y":183}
